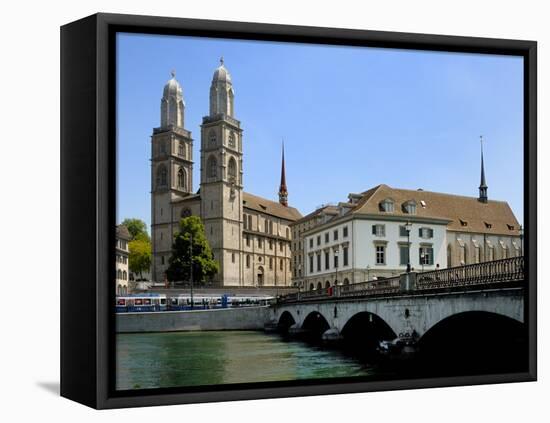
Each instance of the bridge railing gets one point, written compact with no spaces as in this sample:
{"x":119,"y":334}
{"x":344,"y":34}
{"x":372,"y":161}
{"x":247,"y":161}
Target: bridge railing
{"x":497,"y":271}
{"x":377,"y":287}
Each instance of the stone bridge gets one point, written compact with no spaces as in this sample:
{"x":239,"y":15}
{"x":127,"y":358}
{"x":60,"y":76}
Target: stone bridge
{"x":487,"y":298}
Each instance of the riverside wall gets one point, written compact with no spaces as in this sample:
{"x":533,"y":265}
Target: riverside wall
{"x":244,"y":318}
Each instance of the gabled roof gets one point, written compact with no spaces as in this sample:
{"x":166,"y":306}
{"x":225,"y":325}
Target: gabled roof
{"x":467,"y":214}
{"x":273,"y":208}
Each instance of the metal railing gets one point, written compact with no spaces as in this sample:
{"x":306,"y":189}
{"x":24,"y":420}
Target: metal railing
{"x":498,"y":271}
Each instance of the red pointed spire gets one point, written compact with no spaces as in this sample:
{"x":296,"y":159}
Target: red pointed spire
{"x":283,"y":192}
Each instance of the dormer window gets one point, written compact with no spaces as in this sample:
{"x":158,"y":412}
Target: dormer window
{"x":409,"y":207}
{"x":387,"y":205}
{"x":488,"y":225}
{"x":510,"y":227}
{"x":463,"y":222}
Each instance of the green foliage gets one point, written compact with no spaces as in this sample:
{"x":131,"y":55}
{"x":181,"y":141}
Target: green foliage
{"x":137,"y":229}
{"x":140,"y":256}
{"x":204,"y":265}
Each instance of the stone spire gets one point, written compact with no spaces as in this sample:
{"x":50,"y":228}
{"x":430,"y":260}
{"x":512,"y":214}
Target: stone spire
{"x":283,"y":193}
{"x":483,"y":184}
{"x":172,"y":105}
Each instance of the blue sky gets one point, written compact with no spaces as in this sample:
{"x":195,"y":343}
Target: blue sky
{"x":351,"y":117}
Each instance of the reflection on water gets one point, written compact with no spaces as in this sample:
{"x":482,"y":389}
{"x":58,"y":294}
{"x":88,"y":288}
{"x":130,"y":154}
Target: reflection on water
{"x":158,"y":360}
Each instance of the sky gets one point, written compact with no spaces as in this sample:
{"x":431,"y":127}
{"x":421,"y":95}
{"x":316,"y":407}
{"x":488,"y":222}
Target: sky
{"x":351,"y":117}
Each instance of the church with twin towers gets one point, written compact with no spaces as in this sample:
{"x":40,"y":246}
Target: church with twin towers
{"x":249,"y":235}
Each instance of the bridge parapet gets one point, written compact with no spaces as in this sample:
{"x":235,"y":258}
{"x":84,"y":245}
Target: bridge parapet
{"x":479,"y":274}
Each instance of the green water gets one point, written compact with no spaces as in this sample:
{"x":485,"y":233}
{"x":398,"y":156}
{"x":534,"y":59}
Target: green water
{"x":160,"y":360}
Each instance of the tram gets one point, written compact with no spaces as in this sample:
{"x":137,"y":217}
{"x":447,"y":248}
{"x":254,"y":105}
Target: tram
{"x":141,"y":303}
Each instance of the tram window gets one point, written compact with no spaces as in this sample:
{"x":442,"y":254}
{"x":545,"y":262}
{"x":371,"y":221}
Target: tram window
{"x":163,"y":301}
{"x":138,"y":301}
{"x":147,"y":301}
{"x":121,"y":302}
{"x":174,"y":301}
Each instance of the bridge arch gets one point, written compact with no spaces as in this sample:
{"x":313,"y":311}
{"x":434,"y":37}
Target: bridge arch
{"x":475,"y":341}
{"x":364,"y":330}
{"x":314,"y":325}
{"x":285,"y":322}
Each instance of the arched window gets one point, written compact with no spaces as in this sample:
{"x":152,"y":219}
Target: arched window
{"x":181,"y":178}
{"x":124,"y":275}
{"x":119,"y":274}
{"x":387,"y":205}
{"x":212,"y":138}
{"x":327,"y":284}
{"x":181,"y":149}
{"x":319,"y":286}
{"x":231,"y":141}
{"x":232,"y":170}
{"x":231,"y":96}
{"x":311,"y":286}
{"x":212,"y":167}
{"x":346,"y":281}
{"x":119,"y":290}
{"x":409,"y":207}
{"x":162,"y":176}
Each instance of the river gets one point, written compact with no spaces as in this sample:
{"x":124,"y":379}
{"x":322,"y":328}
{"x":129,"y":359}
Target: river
{"x":182,"y":359}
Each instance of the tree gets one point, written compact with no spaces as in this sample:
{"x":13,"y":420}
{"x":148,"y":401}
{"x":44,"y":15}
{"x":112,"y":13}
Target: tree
{"x":140,"y":256}
{"x":204,"y":265}
{"x":137,"y":229}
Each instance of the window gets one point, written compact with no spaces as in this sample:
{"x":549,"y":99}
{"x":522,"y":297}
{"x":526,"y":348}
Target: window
{"x":232,"y":170}
{"x":318,"y":239}
{"x":162,"y":176}
{"x":327,"y":260}
{"x":270,"y":227}
{"x":212,"y":167}
{"x":281,"y":264}
{"x":335,"y":235}
{"x":281,"y":246}
{"x":326,"y":238}
{"x":387,"y":205}
{"x":345,"y":232}
{"x":248,"y":261}
{"x":232,"y":140}
{"x":477,"y":255}
{"x":311,"y":264}
{"x":335,"y":261}
{"x":271,"y":244}
{"x":266,"y":226}
{"x":318,"y":262}
{"x":426,"y":256}
{"x":232,"y":257}
{"x":270,"y":263}
{"x":380,"y":254}
{"x":311,"y":243}
{"x":259,"y":242}
{"x":245,"y":221}
{"x":403,"y":254}
{"x":425,"y":233}
{"x":287,"y":233}
{"x":247,"y":238}
{"x":181,"y":150}
{"x":212,"y":138}
{"x":181,"y":178}
{"x":345,"y":254}
{"x":379,"y":230}
{"x":402,"y":230}
{"x":250,"y":222}
{"x":409,"y":207}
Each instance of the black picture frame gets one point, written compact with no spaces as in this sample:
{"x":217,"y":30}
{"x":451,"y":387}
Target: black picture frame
{"x":88,"y":159}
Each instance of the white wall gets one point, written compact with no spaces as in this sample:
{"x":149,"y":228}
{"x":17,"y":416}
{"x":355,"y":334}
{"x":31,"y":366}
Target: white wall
{"x":30,"y":360}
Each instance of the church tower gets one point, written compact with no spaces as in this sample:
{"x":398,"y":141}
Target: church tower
{"x":283,"y":191}
{"x":221,"y":185}
{"x":171,"y":173}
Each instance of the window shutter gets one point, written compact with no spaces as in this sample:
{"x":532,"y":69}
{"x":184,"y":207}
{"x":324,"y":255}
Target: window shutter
{"x":431,"y":255}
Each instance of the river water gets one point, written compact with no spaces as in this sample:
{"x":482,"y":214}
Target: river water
{"x":181,"y":359}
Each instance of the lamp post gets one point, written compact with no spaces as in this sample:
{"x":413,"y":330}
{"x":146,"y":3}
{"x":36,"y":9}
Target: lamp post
{"x":521,"y":233}
{"x":408,"y":227}
{"x":191,"y":266}
{"x":336,"y":267}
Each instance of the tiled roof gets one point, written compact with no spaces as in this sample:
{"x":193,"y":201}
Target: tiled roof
{"x":122,"y":232}
{"x":466,"y":214}
{"x":273,"y":208}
